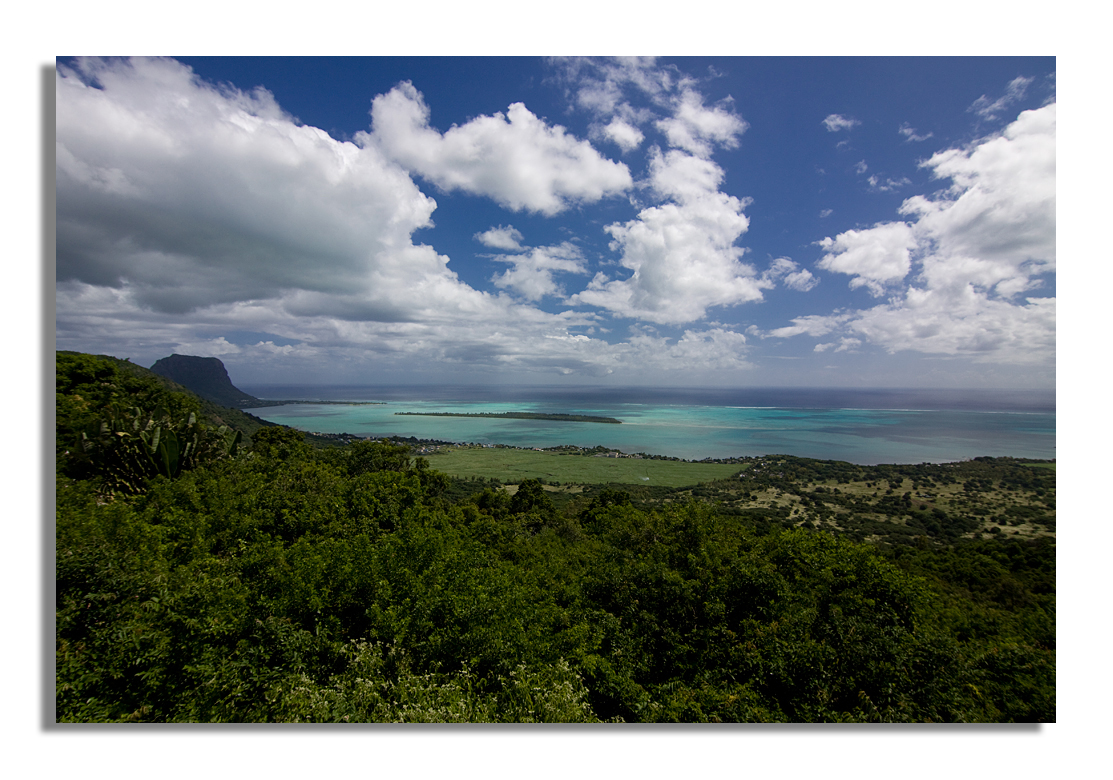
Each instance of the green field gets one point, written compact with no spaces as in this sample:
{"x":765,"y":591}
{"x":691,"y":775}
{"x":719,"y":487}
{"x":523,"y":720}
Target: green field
{"x":511,"y":466}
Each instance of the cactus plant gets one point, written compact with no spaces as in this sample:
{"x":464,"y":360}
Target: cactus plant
{"x":130,"y":446}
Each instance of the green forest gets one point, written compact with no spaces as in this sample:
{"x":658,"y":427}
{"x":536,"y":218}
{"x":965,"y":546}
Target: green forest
{"x":211,"y":567}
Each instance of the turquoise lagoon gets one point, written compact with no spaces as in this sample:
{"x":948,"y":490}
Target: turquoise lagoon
{"x":696,"y":425}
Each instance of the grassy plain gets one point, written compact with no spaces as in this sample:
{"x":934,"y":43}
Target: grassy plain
{"x":511,"y":465}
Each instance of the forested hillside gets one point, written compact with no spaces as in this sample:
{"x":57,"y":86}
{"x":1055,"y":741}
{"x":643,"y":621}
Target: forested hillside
{"x":205,"y":576}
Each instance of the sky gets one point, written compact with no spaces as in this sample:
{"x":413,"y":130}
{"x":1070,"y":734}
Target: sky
{"x":692,"y":221}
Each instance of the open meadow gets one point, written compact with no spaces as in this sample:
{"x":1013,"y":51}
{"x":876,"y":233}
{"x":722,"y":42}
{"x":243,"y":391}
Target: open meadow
{"x":514,"y":465}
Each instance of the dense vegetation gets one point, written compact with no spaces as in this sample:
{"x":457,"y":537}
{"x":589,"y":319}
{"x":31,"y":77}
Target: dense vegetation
{"x":275,"y":580}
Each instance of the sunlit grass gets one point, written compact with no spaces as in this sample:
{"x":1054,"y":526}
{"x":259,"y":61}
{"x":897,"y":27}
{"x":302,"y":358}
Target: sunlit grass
{"x":511,"y":465}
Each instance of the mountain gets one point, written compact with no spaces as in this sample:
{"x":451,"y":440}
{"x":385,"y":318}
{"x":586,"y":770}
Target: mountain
{"x":205,"y":376}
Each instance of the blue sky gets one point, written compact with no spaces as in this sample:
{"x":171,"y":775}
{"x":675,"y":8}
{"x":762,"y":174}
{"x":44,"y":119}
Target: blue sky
{"x":686,"y":221}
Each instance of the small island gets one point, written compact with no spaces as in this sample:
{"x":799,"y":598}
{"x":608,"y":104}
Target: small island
{"x":519,"y":416}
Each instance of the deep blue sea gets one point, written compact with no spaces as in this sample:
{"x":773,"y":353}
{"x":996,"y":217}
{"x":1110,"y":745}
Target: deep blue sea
{"x":855,"y":425}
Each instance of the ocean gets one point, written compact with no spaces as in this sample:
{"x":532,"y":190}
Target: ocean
{"x":863,"y":426}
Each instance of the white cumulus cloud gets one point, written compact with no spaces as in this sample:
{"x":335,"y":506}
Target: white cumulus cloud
{"x":532,"y":274}
{"x":187,"y":196}
{"x":682,"y":253}
{"x":794,"y":277}
{"x":178,"y":197}
{"x":600,"y":85}
{"x":696,"y":128}
{"x":955,"y":271}
{"x":874,"y":257}
{"x":995,"y":226}
{"x":836,"y":122}
{"x":516,"y":159}
{"x":626,"y":135}
{"x":714,"y":349}
{"x":963,"y":322}
{"x":500,"y":238}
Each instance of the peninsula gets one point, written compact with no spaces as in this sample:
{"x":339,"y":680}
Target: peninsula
{"x":519,"y":416}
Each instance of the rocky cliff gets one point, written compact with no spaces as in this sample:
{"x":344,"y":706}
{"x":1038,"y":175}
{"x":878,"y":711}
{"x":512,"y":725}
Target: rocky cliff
{"x":205,"y":376}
